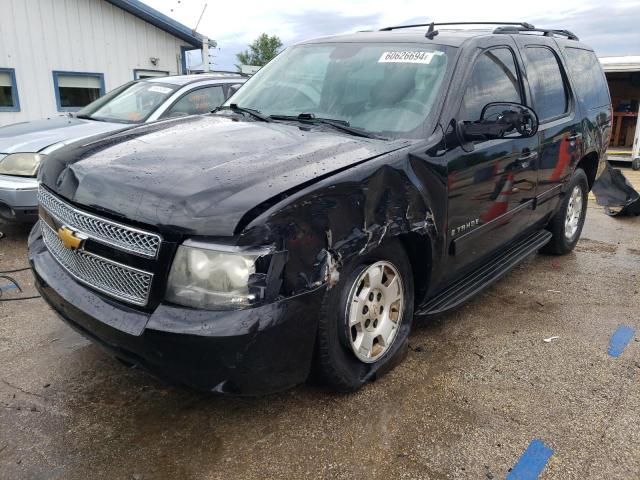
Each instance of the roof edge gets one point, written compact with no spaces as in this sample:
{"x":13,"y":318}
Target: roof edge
{"x":160,"y":20}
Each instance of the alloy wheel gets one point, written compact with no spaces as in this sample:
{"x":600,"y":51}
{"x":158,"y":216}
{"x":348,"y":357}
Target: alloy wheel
{"x":374,"y":311}
{"x":574,"y":213}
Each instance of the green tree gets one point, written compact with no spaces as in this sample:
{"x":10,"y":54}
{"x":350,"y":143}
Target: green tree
{"x":261,"y":51}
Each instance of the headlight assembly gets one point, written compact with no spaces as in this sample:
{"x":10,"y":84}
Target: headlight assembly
{"x":217,"y":277}
{"x":21,"y":164}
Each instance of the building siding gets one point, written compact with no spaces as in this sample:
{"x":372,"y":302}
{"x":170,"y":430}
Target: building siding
{"x":40,"y":36}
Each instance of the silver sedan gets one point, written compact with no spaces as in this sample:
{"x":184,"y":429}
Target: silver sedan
{"x":23,"y":146}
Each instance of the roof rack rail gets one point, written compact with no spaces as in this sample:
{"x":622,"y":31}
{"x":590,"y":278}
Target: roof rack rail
{"x":224,"y":72}
{"x":524,"y":25}
{"x":545,"y":31}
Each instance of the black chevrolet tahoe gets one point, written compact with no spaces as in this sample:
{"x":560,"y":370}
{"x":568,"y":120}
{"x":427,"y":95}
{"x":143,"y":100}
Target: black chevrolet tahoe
{"x":352,"y":184}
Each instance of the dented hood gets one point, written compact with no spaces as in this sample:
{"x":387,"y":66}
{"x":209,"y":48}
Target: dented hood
{"x":201,"y":174}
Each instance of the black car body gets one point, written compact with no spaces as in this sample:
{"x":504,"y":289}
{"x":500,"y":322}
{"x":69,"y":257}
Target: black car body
{"x":309,"y":203}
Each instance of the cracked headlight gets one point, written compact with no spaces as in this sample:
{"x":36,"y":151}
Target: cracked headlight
{"x":216,"y":277}
{"x":21,"y":164}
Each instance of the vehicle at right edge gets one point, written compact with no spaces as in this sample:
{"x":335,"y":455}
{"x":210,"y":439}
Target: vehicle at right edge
{"x":354,"y":182}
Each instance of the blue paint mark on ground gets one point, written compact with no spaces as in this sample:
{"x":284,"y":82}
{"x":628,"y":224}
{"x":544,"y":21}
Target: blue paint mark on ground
{"x":619,"y":340}
{"x":532,"y":462}
{"x":7,"y":287}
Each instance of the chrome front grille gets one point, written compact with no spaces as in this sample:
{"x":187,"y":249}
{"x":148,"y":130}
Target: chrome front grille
{"x":115,"y":234}
{"x":109,"y":277}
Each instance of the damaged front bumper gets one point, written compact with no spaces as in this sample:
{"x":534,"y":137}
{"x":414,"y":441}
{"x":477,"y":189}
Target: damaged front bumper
{"x":253,"y":351}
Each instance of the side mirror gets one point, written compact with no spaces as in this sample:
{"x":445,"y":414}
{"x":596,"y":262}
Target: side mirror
{"x":499,"y":119}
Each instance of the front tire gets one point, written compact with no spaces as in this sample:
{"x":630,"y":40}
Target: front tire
{"x":566,"y":225}
{"x":366,"y":318}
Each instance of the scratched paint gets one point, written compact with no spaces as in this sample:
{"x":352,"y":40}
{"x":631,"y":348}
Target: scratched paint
{"x":620,"y":339}
{"x":532,"y":462}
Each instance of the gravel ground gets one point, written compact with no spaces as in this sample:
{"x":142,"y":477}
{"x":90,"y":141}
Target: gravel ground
{"x":476,"y":387}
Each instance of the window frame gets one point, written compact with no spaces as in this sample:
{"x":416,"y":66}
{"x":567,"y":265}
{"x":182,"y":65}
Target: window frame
{"x":165,"y":114}
{"x":183,"y":58}
{"x":519,"y":72}
{"x":137,"y":71}
{"x":14,"y":87}
{"x":566,"y":83}
{"x":56,"y":91}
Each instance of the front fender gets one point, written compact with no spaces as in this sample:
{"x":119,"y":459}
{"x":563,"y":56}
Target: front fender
{"x":342,"y":217}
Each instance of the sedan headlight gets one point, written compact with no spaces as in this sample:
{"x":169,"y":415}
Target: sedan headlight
{"x":22,"y":164}
{"x":216,"y":277}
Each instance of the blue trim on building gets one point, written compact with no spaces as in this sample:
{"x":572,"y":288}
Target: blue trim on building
{"x":14,"y":91}
{"x":154,"y":17}
{"x":57,"y":73}
{"x":136,"y":71}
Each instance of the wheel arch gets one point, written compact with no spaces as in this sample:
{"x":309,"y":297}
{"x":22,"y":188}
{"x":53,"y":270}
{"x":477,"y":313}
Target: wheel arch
{"x":589,"y":164}
{"x":419,"y":251}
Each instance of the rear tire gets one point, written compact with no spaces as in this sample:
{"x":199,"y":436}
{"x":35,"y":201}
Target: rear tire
{"x":343,"y":359}
{"x":635,"y":164}
{"x":566,"y":225}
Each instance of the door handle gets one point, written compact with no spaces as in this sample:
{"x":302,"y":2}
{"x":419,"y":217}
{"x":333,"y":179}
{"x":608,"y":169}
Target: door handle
{"x":574,"y":136}
{"x":526,"y":157}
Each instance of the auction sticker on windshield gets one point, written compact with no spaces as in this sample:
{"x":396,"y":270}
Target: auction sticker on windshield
{"x":406,"y":57}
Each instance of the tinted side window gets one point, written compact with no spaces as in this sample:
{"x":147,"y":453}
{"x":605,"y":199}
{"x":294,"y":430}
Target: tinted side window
{"x":494,"y":79}
{"x":549,"y":90}
{"x":202,"y":100}
{"x":588,"y":77}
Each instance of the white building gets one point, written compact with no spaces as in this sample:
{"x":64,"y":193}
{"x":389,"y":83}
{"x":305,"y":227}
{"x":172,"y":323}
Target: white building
{"x":58,"y":55}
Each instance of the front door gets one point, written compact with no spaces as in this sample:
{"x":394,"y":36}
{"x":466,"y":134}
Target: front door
{"x":491,"y":188}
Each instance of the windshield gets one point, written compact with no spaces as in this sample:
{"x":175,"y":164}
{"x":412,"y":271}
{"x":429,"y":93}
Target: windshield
{"x":131,"y":103}
{"x":387,"y":89}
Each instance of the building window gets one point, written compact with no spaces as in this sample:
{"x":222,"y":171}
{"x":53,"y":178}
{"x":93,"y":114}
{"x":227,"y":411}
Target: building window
{"x":9,"y":101}
{"x":75,"y":90}
{"x":139,"y":74}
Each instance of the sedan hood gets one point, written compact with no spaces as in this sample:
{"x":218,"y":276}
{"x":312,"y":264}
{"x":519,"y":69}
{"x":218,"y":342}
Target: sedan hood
{"x":201,"y":174}
{"x":37,"y":135}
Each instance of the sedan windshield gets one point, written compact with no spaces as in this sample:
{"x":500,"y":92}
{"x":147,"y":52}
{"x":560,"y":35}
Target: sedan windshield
{"x":387,"y":89}
{"x":130,"y":103}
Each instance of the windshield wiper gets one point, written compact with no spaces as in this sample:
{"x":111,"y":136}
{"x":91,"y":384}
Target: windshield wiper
{"x":342,"y":125}
{"x":237,"y":109}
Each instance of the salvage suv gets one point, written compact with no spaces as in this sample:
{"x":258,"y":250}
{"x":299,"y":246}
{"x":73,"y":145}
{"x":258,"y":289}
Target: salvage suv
{"x":353,"y":183}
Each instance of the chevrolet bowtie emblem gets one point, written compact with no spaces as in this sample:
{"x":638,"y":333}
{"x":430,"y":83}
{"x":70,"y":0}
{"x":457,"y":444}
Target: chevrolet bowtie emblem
{"x":69,"y":239}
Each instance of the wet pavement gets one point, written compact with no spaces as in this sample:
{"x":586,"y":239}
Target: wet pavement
{"x":478,"y":385}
